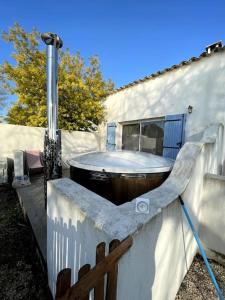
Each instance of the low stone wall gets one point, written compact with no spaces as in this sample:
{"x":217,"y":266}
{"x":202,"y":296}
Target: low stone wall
{"x":212,"y":213}
{"x":163,"y":246}
{"x":15,"y":137}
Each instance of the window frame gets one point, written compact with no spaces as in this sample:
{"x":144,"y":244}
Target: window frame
{"x":139,"y":122}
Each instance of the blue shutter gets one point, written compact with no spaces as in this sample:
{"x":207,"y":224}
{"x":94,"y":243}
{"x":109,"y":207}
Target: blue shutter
{"x":111,"y":136}
{"x":173,"y":135}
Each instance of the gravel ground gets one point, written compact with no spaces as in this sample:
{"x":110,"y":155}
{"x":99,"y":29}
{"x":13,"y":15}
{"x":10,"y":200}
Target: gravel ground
{"x":197,"y":284}
{"x":21,"y":276}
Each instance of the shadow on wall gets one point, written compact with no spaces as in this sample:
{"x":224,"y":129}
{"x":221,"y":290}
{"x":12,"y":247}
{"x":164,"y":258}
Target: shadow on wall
{"x":66,"y":248}
{"x":173,"y":253}
{"x":140,"y":269}
{"x":71,"y":246}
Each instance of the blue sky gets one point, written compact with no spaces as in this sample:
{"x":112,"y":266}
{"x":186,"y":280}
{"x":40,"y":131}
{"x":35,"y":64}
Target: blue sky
{"x":132,"y":38}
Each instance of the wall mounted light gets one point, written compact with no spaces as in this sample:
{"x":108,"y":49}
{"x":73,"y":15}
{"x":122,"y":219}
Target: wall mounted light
{"x":190,"y":108}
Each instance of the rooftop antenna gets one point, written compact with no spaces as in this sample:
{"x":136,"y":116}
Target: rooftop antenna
{"x":52,"y":143}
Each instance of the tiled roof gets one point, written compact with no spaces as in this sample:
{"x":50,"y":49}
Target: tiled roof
{"x":174,"y":67}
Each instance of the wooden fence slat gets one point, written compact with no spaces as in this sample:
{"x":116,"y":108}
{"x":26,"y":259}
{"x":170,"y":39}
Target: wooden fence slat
{"x":91,"y":279}
{"x":63,"y":282}
{"x":111,"y":288}
{"x":83,"y":271}
{"x":99,"y":289}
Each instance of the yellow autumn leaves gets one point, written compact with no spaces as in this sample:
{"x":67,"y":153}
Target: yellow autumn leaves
{"x":81,"y":87}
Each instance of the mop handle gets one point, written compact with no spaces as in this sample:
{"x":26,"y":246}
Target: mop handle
{"x":202,"y":251}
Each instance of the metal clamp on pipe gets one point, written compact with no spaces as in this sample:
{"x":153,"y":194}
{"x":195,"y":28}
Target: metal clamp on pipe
{"x":52,"y":39}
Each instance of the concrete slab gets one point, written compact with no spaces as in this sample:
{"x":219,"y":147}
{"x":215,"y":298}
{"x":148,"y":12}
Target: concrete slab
{"x":32,"y":201}
{"x":31,"y":198}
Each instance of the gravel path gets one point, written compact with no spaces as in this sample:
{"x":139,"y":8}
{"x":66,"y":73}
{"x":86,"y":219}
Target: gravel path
{"x":197,"y":284}
{"x":21,"y":276}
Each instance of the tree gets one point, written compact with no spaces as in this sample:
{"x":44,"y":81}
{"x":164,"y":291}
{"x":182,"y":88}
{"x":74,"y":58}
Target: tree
{"x":81,"y":87}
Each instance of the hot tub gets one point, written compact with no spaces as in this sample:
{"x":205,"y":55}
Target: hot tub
{"x":120,"y":176}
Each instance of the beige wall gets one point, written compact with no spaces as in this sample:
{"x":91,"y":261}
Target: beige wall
{"x":14,"y":137}
{"x":75,"y":142}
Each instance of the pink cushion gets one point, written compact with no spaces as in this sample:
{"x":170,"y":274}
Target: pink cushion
{"x":33,"y":161}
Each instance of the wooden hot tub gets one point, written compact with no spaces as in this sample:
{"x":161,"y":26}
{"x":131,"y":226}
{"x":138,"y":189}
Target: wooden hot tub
{"x":120,"y":176}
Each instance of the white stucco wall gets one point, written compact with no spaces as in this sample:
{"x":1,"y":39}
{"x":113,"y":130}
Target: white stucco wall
{"x":15,"y":137}
{"x":200,"y":84}
{"x":212,"y":224}
{"x":155,"y":265}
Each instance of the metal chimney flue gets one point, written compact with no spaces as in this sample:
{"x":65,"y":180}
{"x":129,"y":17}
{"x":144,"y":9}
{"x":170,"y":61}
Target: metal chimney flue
{"x":213,"y":47}
{"x":52,"y":143}
{"x":53,"y":43}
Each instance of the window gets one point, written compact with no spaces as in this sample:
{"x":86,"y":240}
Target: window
{"x":130,"y":138}
{"x":152,"y":133}
{"x":144,"y":136}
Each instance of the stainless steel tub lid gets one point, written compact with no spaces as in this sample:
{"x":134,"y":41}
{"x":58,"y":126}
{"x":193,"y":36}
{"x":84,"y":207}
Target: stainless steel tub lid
{"x":122,"y":162}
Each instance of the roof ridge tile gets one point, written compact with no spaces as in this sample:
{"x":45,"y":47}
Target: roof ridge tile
{"x":173,"y":67}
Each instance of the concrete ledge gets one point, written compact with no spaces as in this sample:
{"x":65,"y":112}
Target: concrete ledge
{"x":125,"y":220}
{"x":214,"y":177}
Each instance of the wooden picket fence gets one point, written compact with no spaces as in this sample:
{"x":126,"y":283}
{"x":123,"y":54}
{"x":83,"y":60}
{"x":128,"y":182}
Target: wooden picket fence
{"x":89,"y":279}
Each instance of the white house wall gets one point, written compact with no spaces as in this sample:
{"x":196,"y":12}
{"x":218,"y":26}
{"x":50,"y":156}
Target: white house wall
{"x":200,"y":84}
{"x":212,"y":213}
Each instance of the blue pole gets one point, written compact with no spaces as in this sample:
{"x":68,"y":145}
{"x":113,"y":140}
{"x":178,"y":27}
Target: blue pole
{"x":213,"y":278}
